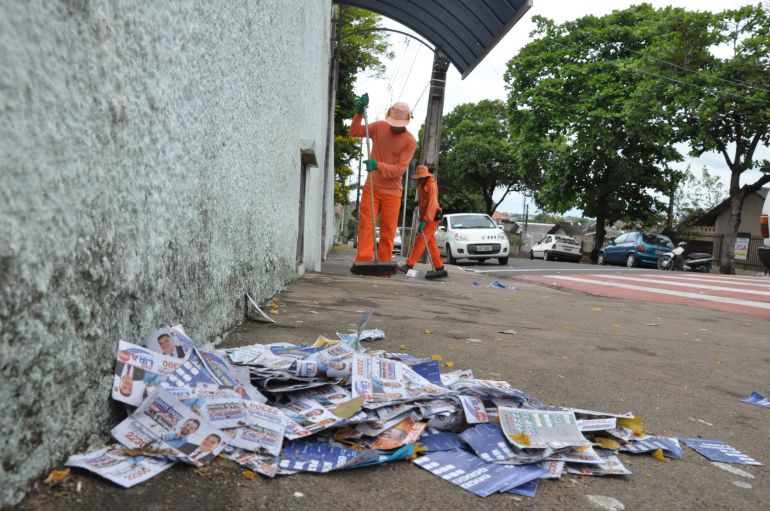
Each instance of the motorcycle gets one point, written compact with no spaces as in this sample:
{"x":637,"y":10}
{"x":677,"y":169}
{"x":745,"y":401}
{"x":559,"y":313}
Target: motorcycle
{"x":696,"y":261}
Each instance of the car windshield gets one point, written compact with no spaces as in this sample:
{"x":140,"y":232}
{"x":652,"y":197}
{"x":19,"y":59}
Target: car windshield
{"x":567,"y":240}
{"x":472,"y":222}
{"x":657,"y":239}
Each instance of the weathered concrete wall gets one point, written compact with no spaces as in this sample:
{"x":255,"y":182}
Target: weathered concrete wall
{"x":150,"y":162}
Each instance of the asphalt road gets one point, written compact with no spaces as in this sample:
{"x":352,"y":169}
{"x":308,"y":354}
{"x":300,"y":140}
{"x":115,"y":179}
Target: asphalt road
{"x":682,"y":369}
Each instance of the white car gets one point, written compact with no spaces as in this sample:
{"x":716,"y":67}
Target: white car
{"x":764,"y":250}
{"x":554,"y":246}
{"x":472,"y":236}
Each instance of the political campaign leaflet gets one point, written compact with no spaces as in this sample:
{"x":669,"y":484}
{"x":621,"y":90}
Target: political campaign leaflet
{"x":378,"y":379}
{"x":472,"y":474}
{"x":138,"y":370}
{"x":581,"y":412}
{"x":448,"y":379}
{"x":162,"y":425}
{"x":323,"y":342}
{"x":328,"y":396}
{"x":225,"y":375}
{"x":306,"y":417}
{"x":374,"y":428}
{"x":489,"y":389}
{"x":489,"y":444}
{"x":265,"y":464}
{"x":170,"y":342}
{"x":540,"y":428}
{"x":757,"y":399}
{"x":597,"y":424}
{"x":258,"y":313}
{"x":434,"y":440}
{"x":610,"y":466}
{"x":387,"y":413}
{"x":223,"y":412}
{"x":553,"y":468}
{"x":669,"y":446}
{"x":321,"y":457}
{"x":265,"y":428}
{"x":429,"y":370}
{"x":582,"y":454}
{"x":114,"y":464}
{"x":475,"y":413}
{"x":527,"y":489}
{"x":405,"y":432}
{"x":716,"y":450}
{"x":334,"y":361}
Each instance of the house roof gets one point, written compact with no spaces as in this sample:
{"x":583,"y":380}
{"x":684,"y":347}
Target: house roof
{"x":710,"y":216}
{"x":569,"y":229}
{"x":464,"y":31}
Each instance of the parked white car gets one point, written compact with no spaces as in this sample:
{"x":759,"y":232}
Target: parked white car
{"x":472,"y":236}
{"x":555,"y":246}
{"x":764,"y":250}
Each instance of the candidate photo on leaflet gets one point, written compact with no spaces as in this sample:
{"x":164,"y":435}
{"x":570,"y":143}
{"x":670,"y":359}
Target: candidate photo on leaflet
{"x":131,"y":381}
{"x":390,"y":438}
{"x":168,"y":347}
{"x":205,"y":451}
{"x":392,"y":150}
{"x":179,"y":439}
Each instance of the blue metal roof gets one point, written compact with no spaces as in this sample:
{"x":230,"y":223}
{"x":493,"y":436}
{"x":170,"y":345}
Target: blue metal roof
{"x":464,"y":30}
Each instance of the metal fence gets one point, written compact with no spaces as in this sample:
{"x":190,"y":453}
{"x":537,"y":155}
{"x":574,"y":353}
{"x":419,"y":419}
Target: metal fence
{"x":712,"y":243}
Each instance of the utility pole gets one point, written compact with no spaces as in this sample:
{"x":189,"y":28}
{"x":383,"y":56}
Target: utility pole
{"x":431,"y":130}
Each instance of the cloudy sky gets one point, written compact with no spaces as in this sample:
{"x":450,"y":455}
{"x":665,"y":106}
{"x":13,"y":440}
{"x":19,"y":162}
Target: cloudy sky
{"x":408,"y":74}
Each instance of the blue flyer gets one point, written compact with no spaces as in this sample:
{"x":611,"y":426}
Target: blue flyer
{"x":441,"y":441}
{"x":528,"y":489}
{"x":321,"y":457}
{"x":472,"y":474}
{"x":757,"y":399}
{"x":488,"y":442}
{"x":669,"y":446}
{"x":430,"y":371}
{"x":716,"y":450}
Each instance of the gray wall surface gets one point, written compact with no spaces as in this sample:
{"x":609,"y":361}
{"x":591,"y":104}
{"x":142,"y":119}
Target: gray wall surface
{"x":150,"y":163}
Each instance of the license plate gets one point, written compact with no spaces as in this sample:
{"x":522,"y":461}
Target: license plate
{"x":484,"y":248}
{"x":660,"y":252}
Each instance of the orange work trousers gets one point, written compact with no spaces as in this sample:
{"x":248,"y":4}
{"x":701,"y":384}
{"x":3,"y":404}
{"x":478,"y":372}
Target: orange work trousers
{"x":386,"y":206}
{"x":419,"y":245}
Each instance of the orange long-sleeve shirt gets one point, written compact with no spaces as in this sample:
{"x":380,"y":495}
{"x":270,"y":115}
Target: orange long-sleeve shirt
{"x":427,"y":199}
{"x":393,"y":152}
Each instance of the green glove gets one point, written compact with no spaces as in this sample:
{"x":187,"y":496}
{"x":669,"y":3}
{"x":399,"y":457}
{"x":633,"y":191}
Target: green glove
{"x":371,"y":165}
{"x":421,"y":225}
{"x":362,"y":103}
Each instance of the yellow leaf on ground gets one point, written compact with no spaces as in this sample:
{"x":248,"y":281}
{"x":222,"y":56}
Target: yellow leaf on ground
{"x":248,"y":474}
{"x":428,"y":331}
{"x":437,"y":357}
{"x":717,"y":362}
{"x":450,"y":364}
{"x":57,"y":476}
{"x":596,"y":309}
{"x":521,"y":438}
{"x":616,"y":325}
{"x":634,"y":424}
{"x":402,"y":346}
{"x":658,"y":455}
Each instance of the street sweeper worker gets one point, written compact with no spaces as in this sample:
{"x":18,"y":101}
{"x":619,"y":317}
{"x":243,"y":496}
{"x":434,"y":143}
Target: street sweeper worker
{"x":392,"y":151}
{"x":430,"y":216}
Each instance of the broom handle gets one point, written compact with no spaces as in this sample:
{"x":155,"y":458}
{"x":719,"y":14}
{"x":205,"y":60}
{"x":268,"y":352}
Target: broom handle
{"x":371,"y":189}
{"x":425,"y":240}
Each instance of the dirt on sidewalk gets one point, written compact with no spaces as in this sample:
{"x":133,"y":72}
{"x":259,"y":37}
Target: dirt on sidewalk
{"x":683,"y":370}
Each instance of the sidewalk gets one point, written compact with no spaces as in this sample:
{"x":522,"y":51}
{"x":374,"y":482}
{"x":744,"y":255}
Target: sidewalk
{"x":683,"y":370}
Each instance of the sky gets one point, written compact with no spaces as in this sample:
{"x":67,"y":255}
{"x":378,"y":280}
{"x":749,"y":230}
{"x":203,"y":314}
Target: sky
{"x":408,"y":75}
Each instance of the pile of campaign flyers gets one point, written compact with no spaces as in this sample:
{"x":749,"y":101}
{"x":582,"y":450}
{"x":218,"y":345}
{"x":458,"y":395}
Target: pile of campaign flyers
{"x":279,"y":409}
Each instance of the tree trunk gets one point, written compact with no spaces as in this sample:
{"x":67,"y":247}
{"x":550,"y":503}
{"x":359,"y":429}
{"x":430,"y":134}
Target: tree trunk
{"x":670,"y":212}
{"x":601,"y":220}
{"x":727,"y":257}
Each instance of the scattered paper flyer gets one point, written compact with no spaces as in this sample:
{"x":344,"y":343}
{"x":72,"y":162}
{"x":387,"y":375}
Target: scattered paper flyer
{"x":113,"y":464}
{"x":260,"y":314}
{"x":669,"y":446}
{"x":540,"y":428}
{"x":757,"y":399}
{"x":716,"y":450}
{"x":138,"y":370}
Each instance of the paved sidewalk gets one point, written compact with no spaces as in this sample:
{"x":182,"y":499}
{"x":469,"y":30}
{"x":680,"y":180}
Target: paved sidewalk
{"x":682,"y":369}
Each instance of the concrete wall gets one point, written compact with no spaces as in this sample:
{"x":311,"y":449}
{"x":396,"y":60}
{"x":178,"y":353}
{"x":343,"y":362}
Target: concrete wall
{"x":752,"y":209}
{"x":150,"y":156}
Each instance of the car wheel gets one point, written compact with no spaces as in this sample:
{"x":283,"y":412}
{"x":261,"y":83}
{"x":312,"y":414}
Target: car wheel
{"x":502,"y":260}
{"x":601,"y":261}
{"x":531,"y":255}
{"x":545,"y":256}
{"x":631,"y":261}
{"x":449,"y":258}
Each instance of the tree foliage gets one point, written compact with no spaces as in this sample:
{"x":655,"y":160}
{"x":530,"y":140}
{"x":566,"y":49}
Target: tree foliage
{"x":359,"y":48}
{"x":477,"y":157}
{"x":587,"y":136}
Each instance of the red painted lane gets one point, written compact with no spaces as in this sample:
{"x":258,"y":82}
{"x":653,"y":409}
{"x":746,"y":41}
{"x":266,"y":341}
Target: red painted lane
{"x":634,"y":295}
{"x":660,"y":283}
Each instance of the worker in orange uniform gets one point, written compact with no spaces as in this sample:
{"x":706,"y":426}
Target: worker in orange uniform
{"x":430,"y":216}
{"x":392,"y":151}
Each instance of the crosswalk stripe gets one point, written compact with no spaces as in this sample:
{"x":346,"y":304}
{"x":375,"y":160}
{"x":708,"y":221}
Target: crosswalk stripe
{"x":682,"y":294}
{"x":668,"y":282}
{"x":693,"y":278}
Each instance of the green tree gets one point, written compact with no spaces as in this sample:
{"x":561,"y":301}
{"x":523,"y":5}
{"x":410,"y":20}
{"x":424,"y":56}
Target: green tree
{"x":360,"y":47}
{"x":588,"y":139}
{"x":722,"y":104}
{"x":477,"y":157}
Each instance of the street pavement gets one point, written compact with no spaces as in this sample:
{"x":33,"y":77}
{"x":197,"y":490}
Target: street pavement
{"x":683,"y":369}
